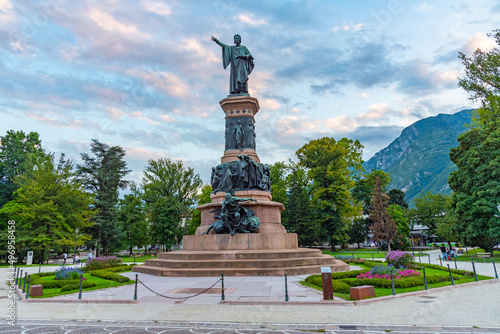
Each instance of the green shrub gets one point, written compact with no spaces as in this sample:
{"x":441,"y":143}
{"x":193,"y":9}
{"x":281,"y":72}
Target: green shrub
{"x":348,"y":274}
{"x":43,"y":274}
{"x":104,"y":273}
{"x":59,"y":283}
{"x":76,"y":286}
{"x":339,"y":286}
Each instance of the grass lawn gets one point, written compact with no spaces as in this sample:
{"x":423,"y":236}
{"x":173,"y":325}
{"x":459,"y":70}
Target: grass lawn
{"x":380,"y":292}
{"x":473,"y":253}
{"x":363,"y":253}
{"x":6,"y":265}
{"x":137,"y":258}
{"x":101,"y":284}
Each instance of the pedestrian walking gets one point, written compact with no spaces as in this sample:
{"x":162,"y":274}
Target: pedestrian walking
{"x":443,"y":252}
{"x":65,"y":256}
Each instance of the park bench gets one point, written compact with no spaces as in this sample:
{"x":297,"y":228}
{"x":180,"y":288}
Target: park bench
{"x":483,"y":256}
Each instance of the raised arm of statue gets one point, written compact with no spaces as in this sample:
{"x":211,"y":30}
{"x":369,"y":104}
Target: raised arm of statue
{"x":217,"y":41}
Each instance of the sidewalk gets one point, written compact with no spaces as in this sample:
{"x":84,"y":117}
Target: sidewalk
{"x":471,"y":305}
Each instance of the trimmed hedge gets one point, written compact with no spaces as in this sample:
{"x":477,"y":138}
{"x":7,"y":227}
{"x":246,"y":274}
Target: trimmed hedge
{"x":341,"y":287}
{"x":59,"y":283}
{"x":44,"y":274}
{"x":348,"y":274}
{"x":76,"y":286}
{"x":420,"y":266}
{"x":106,"y":274}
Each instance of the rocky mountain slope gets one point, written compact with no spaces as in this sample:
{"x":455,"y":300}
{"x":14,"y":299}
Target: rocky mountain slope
{"x":418,"y":160}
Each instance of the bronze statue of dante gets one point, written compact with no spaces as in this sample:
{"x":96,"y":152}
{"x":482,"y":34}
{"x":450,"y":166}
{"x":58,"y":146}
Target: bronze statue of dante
{"x":241,"y":64}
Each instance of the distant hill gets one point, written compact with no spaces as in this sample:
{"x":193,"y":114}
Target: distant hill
{"x":418,"y":160}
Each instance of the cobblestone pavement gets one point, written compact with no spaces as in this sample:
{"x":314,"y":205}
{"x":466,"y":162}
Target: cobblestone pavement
{"x":110,"y":326}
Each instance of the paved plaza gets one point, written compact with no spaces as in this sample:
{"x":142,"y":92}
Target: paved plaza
{"x":257,"y":305}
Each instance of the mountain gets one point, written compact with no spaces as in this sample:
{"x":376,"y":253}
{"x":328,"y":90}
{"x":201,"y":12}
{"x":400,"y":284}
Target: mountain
{"x":418,"y":160}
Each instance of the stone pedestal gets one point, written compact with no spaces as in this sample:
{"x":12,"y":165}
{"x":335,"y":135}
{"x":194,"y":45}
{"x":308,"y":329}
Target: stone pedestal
{"x":270,"y":252}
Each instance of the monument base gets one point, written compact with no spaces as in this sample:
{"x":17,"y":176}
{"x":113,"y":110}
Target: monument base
{"x":273,"y":262}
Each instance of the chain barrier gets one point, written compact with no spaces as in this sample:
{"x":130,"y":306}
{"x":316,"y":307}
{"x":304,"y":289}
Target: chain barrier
{"x":178,"y":298}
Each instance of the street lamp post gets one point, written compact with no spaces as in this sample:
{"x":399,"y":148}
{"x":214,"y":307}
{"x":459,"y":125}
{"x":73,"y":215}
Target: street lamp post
{"x":76,"y":240}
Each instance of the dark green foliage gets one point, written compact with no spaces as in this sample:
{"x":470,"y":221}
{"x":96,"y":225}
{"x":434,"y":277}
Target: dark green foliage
{"x":359,"y":230}
{"x":203,"y":198}
{"x":397,"y":197}
{"x":429,"y":208}
{"x":341,"y":287}
{"x":102,"y":174}
{"x":279,"y":186}
{"x":58,"y":283}
{"x":418,"y":159}
{"x":43,"y":274}
{"x":106,"y":274}
{"x":17,"y":151}
{"x":165,"y":228}
{"x":476,"y":186}
{"x":48,"y":207}
{"x":332,"y":166}
{"x":76,"y":286}
{"x":297,"y":217}
{"x":132,"y":217}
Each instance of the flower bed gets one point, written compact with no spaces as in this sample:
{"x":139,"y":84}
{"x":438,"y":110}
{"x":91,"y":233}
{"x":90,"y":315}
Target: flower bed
{"x":102,"y":263}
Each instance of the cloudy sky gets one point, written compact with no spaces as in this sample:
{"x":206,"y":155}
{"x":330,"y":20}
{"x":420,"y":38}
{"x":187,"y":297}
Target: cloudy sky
{"x":143,"y":74}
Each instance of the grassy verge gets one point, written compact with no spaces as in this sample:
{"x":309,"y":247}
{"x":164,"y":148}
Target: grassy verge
{"x":142,"y":258}
{"x":101,"y":284}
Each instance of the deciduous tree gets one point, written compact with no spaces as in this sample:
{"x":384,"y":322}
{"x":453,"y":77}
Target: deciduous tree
{"x":383,"y":228}
{"x":132,"y":217}
{"x":17,"y":149}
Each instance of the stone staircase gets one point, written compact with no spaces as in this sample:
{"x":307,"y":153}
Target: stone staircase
{"x":298,"y":261}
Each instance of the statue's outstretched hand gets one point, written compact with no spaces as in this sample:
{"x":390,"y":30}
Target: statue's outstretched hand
{"x":213,"y":38}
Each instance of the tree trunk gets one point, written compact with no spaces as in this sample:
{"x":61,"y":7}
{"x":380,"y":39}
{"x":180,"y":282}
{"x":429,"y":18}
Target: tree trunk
{"x":130,"y":251}
{"x":389,"y":245}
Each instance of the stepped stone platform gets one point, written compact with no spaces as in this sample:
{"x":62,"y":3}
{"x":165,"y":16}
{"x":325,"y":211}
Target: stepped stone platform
{"x":276,"y":262}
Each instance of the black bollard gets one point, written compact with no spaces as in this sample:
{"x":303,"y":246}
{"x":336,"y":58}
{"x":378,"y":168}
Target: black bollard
{"x":392,"y":285}
{"x":40,"y":267}
{"x":451,"y":277}
{"x":440,"y":262}
{"x":494,"y":267}
{"x":135,"y":292}
{"x":286,"y":288}
{"x":425,"y":281}
{"x":419,"y":260}
{"x":17,"y":274}
{"x":24,"y":284}
{"x":134,"y":258}
{"x":28,"y":289}
{"x":222,"y":297}
{"x":429,"y":256}
{"x":81,"y":282}
{"x":474,"y":268}
{"x":20,"y":279}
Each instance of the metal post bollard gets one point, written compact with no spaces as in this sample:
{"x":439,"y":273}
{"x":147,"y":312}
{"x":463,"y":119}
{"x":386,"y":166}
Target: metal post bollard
{"x":134,"y":258}
{"x":24,"y":284}
{"x":20,"y":279}
{"x":222,"y":297}
{"x":392,"y":285}
{"x":135,"y":292}
{"x":451,"y":276}
{"x":28,"y":289}
{"x":425,"y":281}
{"x":16,"y":273}
{"x":286,"y":288}
{"x":440,"y":262}
{"x":81,"y":282}
{"x":494,"y":267}
{"x":419,"y":259}
{"x":455,"y":259}
{"x":429,"y":256}
{"x":474,"y":268}
{"x":40,"y":267}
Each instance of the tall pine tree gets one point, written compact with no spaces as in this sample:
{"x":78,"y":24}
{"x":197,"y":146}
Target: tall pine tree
{"x":102,"y":174}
